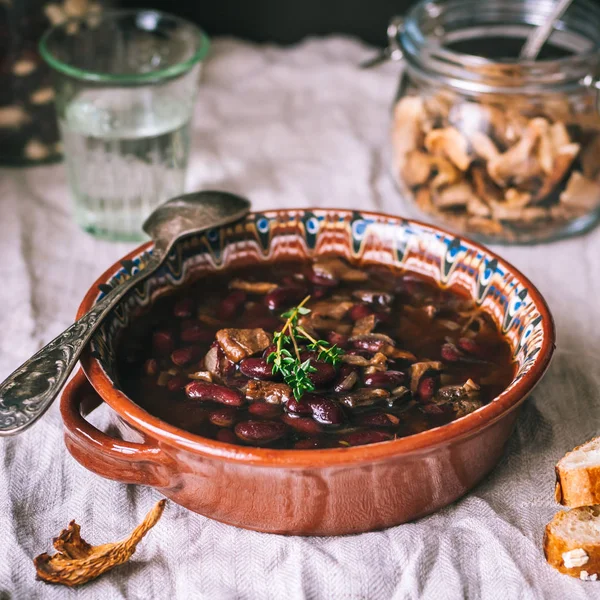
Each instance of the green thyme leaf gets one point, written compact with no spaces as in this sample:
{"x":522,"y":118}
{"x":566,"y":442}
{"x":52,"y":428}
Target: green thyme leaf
{"x":286,"y":357}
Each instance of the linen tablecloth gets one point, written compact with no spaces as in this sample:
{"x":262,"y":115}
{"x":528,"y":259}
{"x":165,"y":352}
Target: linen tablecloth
{"x":286,"y":127}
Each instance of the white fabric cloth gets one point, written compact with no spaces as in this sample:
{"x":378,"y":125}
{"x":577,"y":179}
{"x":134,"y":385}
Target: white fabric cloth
{"x":287,"y":127}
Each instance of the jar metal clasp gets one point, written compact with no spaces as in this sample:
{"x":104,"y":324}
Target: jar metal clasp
{"x":392,"y":51}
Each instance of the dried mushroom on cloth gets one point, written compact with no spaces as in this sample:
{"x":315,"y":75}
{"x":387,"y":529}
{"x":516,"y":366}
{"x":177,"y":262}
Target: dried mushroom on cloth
{"x":77,"y":562}
{"x":504,"y":167}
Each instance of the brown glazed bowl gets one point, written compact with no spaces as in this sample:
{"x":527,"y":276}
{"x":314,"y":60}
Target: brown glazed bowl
{"x":310,"y":492}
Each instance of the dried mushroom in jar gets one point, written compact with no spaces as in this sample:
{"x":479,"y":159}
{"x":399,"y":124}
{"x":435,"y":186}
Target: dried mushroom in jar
{"x":508,"y":168}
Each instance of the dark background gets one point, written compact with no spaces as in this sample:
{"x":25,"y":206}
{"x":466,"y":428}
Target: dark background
{"x":283,"y":21}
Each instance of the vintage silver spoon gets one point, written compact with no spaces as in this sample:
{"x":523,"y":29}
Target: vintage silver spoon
{"x":28,"y":392}
{"x":539,"y":35}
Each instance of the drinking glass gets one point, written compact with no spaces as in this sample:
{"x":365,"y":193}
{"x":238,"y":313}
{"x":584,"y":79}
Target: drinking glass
{"x":125,"y":85}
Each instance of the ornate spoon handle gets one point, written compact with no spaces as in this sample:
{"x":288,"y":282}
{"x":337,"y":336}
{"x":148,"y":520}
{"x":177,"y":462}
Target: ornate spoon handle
{"x":28,"y":392}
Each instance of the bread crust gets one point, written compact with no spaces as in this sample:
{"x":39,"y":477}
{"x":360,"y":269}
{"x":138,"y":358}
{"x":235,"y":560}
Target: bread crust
{"x":577,"y":486}
{"x":555,"y":546}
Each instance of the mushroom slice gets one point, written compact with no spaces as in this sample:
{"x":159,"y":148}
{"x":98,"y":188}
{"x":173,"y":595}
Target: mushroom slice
{"x":484,"y":187}
{"x":562,"y":163}
{"x":331,"y":267}
{"x":252,"y":287}
{"x":76,"y":562}
{"x":451,"y":143}
{"x":379,"y":360}
{"x":363,"y":397}
{"x":417,"y":168}
{"x":581,"y":194}
{"x":545,"y":151}
{"x":364,"y":326}
{"x":267,"y":391}
{"x":453,"y":196}
{"x":559,"y":134}
{"x":330,"y":309}
{"x":483,"y":146}
{"x":240,"y":343}
{"x":518,"y":163}
{"x":477,"y":207}
{"x":514,"y":197}
{"x":406,"y":129}
{"x":447,"y":173}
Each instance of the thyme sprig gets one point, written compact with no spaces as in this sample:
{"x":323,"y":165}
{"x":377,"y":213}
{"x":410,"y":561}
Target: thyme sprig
{"x":286,"y":359}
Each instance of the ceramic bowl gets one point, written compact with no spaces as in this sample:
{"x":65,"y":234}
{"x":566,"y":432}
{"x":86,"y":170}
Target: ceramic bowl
{"x":316,"y":492}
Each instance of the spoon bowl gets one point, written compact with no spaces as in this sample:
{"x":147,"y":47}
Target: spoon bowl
{"x":180,"y":216}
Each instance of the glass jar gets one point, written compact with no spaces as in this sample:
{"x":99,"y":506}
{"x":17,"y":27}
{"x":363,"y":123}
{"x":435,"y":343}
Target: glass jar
{"x":28,"y":129}
{"x":503,"y":150}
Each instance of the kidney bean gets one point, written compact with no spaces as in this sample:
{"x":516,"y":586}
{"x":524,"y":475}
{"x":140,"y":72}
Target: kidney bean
{"x":470,"y":346}
{"x":223,"y":417}
{"x":268,"y":351}
{"x":388,"y":380}
{"x":321,"y":280}
{"x":178,"y":382}
{"x":201,"y":390}
{"x":324,"y":373}
{"x":369,"y":344}
{"x":304,"y":425}
{"x":193,"y":331}
{"x":260,"y":432}
{"x":264,"y":410}
{"x":163,"y":342}
{"x":437,"y":409}
{"x":325,"y":410}
{"x":257,"y":368}
{"x":378,"y":419}
{"x":185,"y":356}
{"x":339,"y":339}
{"x":318,"y":292}
{"x":426,"y":388}
{"x":231,"y":305}
{"x":298,"y":407}
{"x":359,"y":438}
{"x":284,"y":296}
{"x":451,"y":353}
{"x":151,"y":367}
{"x":183,"y":308}
{"x":359,"y":311}
{"x":309,"y":443}
{"x":227,"y":436}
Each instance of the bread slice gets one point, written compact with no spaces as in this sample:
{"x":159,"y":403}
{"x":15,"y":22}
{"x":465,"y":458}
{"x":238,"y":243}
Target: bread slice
{"x":572,"y":542}
{"x":578,"y":476}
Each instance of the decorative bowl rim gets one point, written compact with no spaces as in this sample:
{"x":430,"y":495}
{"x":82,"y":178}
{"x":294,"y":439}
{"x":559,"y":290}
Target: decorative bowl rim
{"x":466,"y":426}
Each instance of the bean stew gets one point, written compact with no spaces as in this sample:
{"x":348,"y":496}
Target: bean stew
{"x":312,"y":355}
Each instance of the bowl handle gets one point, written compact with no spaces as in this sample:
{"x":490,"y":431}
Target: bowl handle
{"x":129,"y":462}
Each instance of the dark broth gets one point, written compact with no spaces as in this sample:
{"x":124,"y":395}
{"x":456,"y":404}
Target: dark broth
{"x":422,"y":319}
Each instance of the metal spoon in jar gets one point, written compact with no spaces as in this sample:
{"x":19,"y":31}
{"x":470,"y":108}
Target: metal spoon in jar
{"x":28,"y":392}
{"x":539,"y":35}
